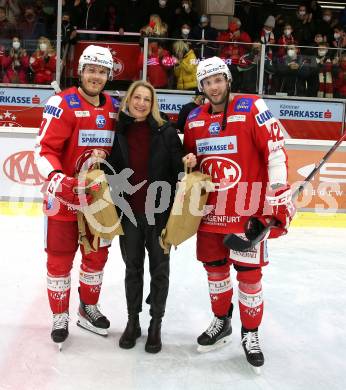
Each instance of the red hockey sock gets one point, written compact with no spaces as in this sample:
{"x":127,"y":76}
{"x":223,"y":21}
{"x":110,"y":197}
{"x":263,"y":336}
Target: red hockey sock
{"x":250,"y":304}
{"x":58,"y":288}
{"x":220,"y":289}
{"x":90,"y":282}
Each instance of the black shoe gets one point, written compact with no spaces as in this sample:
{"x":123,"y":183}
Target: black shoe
{"x":217,"y":335}
{"x":154,"y":344}
{"x":131,"y":333}
{"x":252,"y":349}
{"x":60,"y":327}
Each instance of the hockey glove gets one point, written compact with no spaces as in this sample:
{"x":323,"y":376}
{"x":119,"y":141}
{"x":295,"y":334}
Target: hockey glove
{"x":68,"y":190}
{"x":283,"y":210}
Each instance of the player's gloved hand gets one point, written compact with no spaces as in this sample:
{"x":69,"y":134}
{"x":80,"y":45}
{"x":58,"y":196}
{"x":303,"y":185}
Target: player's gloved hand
{"x":283,"y":210}
{"x":68,"y":190}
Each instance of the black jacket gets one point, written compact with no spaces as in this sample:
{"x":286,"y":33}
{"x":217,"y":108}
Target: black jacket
{"x":165,"y":161}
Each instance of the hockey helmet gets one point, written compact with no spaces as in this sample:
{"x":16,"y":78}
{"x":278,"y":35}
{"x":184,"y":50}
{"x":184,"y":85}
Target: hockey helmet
{"x":96,"y":55}
{"x":210,"y":67}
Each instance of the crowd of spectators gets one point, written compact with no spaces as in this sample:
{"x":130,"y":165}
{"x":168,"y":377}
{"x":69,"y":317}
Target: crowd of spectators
{"x":27,"y":27}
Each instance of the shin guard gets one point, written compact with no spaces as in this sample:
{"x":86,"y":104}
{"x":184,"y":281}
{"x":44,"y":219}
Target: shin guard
{"x":90,"y":285}
{"x":220,"y":289}
{"x":58,"y":288}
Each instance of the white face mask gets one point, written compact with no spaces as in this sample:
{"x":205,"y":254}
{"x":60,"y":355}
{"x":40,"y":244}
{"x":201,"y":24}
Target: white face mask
{"x":16,"y":45}
{"x":301,"y":13}
{"x":186,"y":6}
{"x":327,"y":18}
{"x":336,"y":35}
{"x":287,"y":32}
{"x":162,"y":2}
{"x":185,"y":31}
{"x":322,"y":53}
{"x":291,"y":53}
{"x":43,"y":46}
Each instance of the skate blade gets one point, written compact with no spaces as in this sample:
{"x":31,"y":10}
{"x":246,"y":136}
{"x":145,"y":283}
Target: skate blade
{"x":60,"y":346}
{"x":85,"y":324}
{"x":219,"y":344}
{"x":256,"y":370}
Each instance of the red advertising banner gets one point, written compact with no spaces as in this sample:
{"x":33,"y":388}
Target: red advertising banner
{"x":125,"y":57}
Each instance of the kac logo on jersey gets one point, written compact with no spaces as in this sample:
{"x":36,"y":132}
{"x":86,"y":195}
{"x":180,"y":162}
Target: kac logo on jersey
{"x":214,"y":128}
{"x":225,"y":173}
{"x":73,"y":101}
{"x":243,"y":105}
{"x":100,"y":121}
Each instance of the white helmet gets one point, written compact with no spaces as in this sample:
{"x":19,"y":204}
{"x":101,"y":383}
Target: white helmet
{"x":96,"y":55}
{"x":209,"y":67}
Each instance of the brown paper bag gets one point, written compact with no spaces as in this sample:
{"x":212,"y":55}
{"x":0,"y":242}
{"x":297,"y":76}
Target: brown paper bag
{"x":187,"y":211}
{"x":101,"y":216}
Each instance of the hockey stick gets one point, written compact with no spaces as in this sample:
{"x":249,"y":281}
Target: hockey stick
{"x":237,"y":243}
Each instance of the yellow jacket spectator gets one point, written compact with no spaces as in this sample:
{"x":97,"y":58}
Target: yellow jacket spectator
{"x":185,"y":70}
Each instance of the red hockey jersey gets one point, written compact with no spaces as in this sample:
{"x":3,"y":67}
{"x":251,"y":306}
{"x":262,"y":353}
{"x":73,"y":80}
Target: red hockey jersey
{"x":70,"y":129}
{"x":242,"y":159}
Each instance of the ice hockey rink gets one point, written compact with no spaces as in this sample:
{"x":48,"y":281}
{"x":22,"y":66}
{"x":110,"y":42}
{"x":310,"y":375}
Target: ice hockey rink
{"x":302,"y":335}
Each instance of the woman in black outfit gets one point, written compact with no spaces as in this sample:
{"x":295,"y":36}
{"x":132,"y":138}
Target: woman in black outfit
{"x":149,"y":146}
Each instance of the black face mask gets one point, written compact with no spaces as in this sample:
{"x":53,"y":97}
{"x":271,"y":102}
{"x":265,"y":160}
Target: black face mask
{"x":65,"y":23}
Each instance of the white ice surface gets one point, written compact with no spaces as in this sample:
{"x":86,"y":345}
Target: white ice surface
{"x":303,"y":333}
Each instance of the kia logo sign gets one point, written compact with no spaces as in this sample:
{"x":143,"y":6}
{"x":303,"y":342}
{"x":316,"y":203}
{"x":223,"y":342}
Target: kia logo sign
{"x":21,"y":168}
{"x":225,"y":172}
{"x":330,"y":172}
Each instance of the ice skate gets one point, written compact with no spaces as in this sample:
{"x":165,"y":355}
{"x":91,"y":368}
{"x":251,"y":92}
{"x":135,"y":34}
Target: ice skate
{"x":90,"y":318}
{"x":252,"y":349}
{"x":217,"y":335}
{"x":60,"y":328}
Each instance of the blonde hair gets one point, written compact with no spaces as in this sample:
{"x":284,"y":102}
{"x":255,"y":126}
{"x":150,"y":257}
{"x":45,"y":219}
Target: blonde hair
{"x":155,"y":112}
{"x":50,"y":49}
{"x":180,"y":48}
{"x":159,"y":30}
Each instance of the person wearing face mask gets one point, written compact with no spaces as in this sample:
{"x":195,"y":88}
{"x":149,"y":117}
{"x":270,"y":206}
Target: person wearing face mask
{"x":68,"y":32}
{"x":43,"y":62}
{"x":15,"y":64}
{"x":186,"y":14}
{"x":294,"y":71}
{"x":7,"y":29}
{"x":303,"y":26}
{"x":203,"y":32}
{"x":149,"y":146}
{"x":324,"y":77}
{"x":325,"y":25}
{"x":287,"y":38}
{"x":339,"y":42}
{"x":233,"y":50}
{"x":165,"y":9}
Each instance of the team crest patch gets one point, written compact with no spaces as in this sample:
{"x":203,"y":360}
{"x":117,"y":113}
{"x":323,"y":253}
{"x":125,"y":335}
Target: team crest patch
{"x":243,"y":105}
{"x":100,"y":121}
{"x":73,"y":101}
{"x":214,"y":128}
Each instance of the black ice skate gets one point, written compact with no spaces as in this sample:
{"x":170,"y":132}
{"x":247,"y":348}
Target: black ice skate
{"x":252,"y":349}
{"x":90,"y":318}
{"x":217,"y":335}
{"x":60,"y":328}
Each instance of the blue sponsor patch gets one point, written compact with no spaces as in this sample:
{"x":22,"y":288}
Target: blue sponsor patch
{"x":214,"y":128}
{"x":194,"y":113}
{"x":100,"y":121}
{"x":243,"y":105}
{"x":73,"y":101}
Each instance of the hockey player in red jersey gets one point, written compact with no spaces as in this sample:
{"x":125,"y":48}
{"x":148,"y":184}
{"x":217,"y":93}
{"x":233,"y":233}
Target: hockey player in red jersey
{"x":77,"y":123}
{"x":237,"y":141}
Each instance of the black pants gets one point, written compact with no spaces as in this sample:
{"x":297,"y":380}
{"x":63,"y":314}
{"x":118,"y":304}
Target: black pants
{"x":132,"y":245}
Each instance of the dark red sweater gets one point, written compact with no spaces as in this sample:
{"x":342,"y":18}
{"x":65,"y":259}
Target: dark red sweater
{"x":138,"y":136}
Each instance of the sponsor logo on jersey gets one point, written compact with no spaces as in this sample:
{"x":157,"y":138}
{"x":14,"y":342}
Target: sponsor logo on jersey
{"x":225,"y":172}
{"x":196,"y":124}
{"x":214,"y":128}
{"x":95,"y":138}
{"x":100,"y":121}
{"x":53,"y":111}
{"x":236,"y":118}
{"x":195,"y":112}
{"x":20,"y":167}
{"x":82,"y":114}
{"x":73,"y":100}
{"x":263,"y":117}
{"x":112,"y":115}
{"x":222,"y":145}
{"x":243,"y":105}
